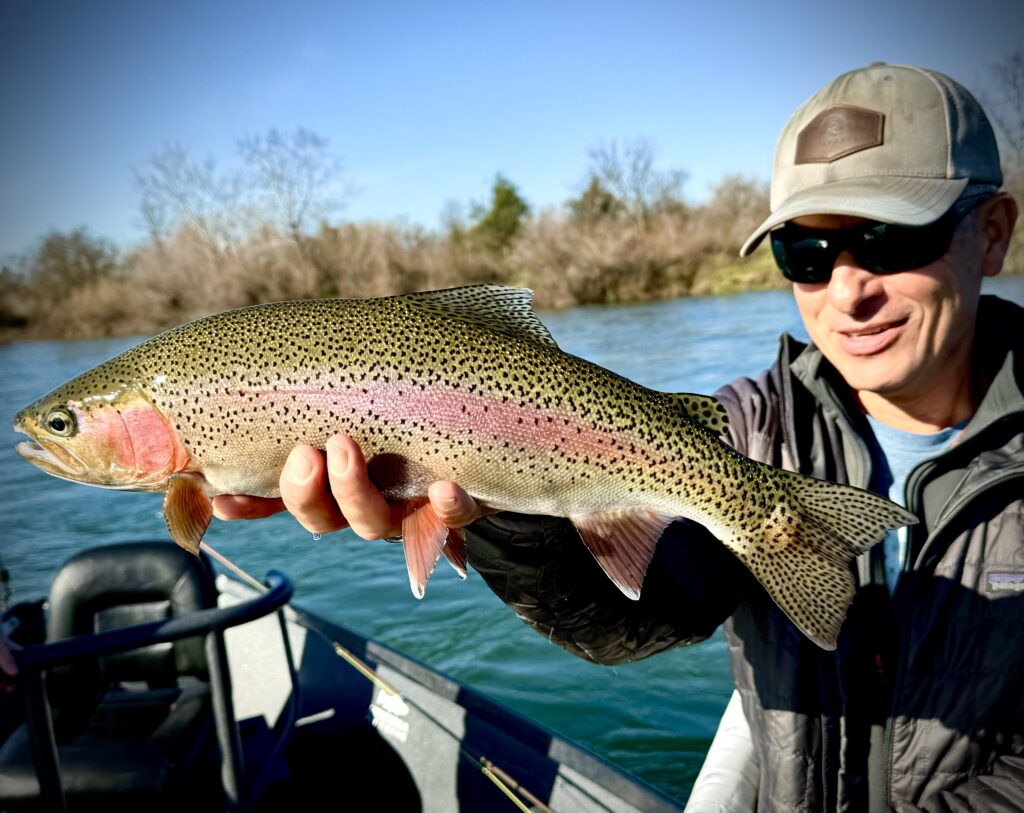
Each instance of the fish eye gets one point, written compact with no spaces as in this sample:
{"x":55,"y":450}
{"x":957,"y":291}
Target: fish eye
{"x":61,"y":422}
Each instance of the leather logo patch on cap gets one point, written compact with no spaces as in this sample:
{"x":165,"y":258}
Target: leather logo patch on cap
{"x":837,"y":132}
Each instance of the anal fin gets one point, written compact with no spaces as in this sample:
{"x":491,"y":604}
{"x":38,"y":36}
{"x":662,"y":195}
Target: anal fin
{"x":423,"y":538}
{"x":187,"y":511}
{"x":623,"y":543}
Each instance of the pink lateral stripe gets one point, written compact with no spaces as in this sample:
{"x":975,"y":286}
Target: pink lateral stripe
{"x":457,"y":412}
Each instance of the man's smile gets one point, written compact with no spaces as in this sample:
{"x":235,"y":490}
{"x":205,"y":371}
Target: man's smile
{"x":867,"y":340}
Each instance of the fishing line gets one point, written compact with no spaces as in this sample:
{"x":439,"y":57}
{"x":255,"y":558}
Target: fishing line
{"x":258,"y":585}
{"x":504,"y":782}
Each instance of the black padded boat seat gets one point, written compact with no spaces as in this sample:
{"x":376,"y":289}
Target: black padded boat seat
{"x":137,"y":727}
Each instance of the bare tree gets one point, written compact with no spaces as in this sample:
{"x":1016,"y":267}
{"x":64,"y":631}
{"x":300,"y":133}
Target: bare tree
{"x":1007,"y":108}
{"x":594,"y":205}
{"x":178,"y":191}
{"x":296,"y":177}
{"x":628,"y":172}
{"x":1005,"y":105}
{"x":737,"y":205}
{"x":65,"y":261}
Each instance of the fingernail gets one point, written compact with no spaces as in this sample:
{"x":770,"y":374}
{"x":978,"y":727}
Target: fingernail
{"x":299,"y":469}
{"x":339,"y":457}
{"x":447,"y":508}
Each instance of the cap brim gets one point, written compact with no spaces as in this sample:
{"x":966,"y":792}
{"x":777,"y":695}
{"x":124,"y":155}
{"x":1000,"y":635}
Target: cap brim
{"x":907,"y":201}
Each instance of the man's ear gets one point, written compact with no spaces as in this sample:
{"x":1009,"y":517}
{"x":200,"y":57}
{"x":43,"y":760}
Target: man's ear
{"x":997,"y":217}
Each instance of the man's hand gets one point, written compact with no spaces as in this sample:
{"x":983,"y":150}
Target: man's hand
{"x":327,"y":492}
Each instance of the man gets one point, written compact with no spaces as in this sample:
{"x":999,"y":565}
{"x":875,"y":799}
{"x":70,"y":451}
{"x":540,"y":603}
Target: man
{"x":887,"y":215}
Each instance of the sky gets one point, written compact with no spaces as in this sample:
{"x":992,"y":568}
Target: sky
{"x":426,"y":102}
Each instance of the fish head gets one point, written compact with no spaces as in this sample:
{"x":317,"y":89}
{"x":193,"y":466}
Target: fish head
{"x":117,"y":439}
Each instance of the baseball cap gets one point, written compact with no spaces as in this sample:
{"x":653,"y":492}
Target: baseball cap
{"x":893,"y":143}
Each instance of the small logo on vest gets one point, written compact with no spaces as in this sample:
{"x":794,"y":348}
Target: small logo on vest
{"x":1006,"y":582}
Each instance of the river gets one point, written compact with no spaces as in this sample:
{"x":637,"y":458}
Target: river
{"x":655,"y":718}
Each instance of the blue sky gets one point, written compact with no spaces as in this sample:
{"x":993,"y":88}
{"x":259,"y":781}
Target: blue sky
{"x":425,"y":102}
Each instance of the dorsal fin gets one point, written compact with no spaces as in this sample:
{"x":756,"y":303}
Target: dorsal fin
{"x":498,"y":308}
{"x":703,"y":409}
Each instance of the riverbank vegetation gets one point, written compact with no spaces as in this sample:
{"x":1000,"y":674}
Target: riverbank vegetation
{"x":216,"y":244}
{"x":273,"y":230}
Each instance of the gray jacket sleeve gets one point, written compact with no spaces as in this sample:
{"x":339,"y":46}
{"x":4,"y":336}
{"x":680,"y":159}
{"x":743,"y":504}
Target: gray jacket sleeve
{"x":540,"y":567}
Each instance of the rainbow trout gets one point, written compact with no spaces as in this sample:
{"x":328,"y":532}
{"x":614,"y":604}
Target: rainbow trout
{"x":466,"y":385}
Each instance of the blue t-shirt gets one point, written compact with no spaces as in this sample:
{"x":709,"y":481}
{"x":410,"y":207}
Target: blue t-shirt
{"x":896,"y":453}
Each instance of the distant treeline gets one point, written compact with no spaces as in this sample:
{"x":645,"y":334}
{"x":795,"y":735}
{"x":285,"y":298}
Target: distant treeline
{"x":218,"y":242}
{"x":270,"y":232}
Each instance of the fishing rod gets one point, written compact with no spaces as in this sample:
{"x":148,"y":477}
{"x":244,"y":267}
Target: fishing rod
{"x":500,"y":778}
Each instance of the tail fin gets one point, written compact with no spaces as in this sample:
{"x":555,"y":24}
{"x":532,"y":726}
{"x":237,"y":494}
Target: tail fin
{"x":803,"y":549}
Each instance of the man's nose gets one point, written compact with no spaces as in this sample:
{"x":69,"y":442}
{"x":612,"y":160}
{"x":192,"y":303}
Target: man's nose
{"x":851,"y":285}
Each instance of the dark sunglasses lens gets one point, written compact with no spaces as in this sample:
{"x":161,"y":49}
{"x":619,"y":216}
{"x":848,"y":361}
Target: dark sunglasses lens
{"x":802,"y":256}
{"x":888,"y":249}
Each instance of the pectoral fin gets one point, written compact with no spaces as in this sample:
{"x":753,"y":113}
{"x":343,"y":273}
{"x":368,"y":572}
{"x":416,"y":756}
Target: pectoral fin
{"x":455,"y":551}
{"x":187,"y":511}
{"x":623,"y":543}
{"x":423,"y":537}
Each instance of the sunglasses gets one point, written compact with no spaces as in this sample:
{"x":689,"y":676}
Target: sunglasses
{"x":809,"y":255}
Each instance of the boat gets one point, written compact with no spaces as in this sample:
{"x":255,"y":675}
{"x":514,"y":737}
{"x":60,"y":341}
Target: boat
{"x":149,"y":681}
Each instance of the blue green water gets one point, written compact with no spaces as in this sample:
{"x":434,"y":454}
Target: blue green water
{"x":654,"y":718}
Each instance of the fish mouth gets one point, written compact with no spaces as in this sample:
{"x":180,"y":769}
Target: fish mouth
{"x":52,"y":459}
